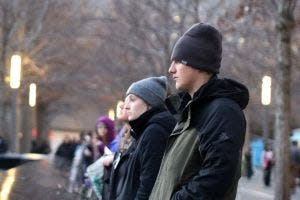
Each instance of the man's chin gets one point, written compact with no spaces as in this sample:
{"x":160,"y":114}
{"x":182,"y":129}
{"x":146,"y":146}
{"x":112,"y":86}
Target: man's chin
{"x":179,"y":87}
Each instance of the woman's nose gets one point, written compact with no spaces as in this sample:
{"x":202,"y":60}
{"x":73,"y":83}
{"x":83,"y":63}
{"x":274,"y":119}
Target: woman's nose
{"x":126,"y":106}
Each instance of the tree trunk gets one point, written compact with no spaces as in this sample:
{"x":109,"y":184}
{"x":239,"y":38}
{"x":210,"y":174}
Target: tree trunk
{"x":25,"y":140}
{"x":265,"y":124}
{"x":3,"y":93}
{"x":42,"y":124}
{"x":2,"y":115}
{"x":284,"y":28}
{"x":15,"y":121}
{"x":3,"y":63}
{"x":247,"y":142}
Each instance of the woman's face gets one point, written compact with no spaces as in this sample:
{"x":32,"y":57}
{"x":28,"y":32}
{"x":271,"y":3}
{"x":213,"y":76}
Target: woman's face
{"x":122,"y":112}
{"x":134,"y":106}
{"x":102,"y":131}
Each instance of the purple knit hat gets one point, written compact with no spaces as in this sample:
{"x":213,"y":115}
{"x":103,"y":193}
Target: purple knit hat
{"x":109,"y":124}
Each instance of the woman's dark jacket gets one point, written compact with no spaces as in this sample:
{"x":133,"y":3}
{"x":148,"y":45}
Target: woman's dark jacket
{"x":135,"y":174}
{"x":203,"y":154}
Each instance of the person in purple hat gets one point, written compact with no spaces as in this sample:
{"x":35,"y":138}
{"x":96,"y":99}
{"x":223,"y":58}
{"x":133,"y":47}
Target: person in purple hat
{"x":108,"y":145}
{"x":105,"y":129}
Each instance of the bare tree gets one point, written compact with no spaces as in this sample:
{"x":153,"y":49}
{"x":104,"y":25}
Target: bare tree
{"x":86,"y":53}
{"x":6,"y":29}
{"x":284,"y":13}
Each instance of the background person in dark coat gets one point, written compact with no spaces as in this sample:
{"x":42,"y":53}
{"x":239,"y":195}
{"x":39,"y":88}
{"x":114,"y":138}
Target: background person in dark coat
{"x":3,"y":145}
{"x":294,"y":165}
{"x":203,"y":155}
{"x":64,"y":154}
{"x":248,"y":163}
{"x":151,"y":125}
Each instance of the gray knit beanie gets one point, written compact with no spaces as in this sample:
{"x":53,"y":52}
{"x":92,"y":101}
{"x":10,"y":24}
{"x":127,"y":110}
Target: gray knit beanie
{"x":152,"y":90}
{"x":200,"y":47}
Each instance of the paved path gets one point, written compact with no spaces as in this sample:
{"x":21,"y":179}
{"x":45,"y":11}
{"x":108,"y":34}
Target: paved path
{"x":255,"y":190}
{"x":35,"y":180}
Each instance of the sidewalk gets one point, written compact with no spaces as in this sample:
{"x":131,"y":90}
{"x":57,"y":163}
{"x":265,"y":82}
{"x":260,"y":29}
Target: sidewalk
{"x":254,"y":189}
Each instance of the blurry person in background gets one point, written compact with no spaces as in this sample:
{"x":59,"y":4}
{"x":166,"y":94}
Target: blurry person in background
{"x":151,"y":124}
{"x":126,"y":138}
{"x":3,"y":145}
{"x":79,"y":164}
{"x":248,"y":162}
{"x":267,"y":164}
{"x":107,"y":144}
{"x":40,"y":146}
{"x":121,"y":158}
{"x":294,"y":165}
{"x":105,"y":130}
{"x":88,"y":153}
{"x":64,"y":154}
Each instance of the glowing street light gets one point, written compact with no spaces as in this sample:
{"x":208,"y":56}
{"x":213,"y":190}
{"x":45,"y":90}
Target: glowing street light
{"x":177,"y":19}
{"x":32,"y":94}
{"x":266,"y":90}
{"x":15,"y":71}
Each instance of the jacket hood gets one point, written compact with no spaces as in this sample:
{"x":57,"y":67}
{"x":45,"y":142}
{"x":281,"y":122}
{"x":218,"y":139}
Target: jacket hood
{"x":214,"y":88}
{"x":224,"y":88}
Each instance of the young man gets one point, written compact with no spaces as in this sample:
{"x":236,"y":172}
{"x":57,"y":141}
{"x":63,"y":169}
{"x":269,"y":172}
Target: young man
{"x":203,"y":155}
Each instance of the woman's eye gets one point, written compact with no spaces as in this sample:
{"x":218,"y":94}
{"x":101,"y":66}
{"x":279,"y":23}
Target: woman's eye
{"x":132,"y":98}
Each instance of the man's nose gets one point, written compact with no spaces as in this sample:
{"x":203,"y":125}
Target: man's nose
{"x":171,"y":68}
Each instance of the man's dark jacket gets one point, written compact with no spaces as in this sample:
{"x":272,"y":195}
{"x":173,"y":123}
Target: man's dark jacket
{"x":150,"y":131}
{"x":203,"y":154}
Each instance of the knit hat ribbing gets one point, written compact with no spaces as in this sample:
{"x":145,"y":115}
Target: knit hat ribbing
{"x":200,"y":47}
{"x":152,"y":90}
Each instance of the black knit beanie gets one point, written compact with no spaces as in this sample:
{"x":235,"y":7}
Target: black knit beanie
{"x":200,"y":47}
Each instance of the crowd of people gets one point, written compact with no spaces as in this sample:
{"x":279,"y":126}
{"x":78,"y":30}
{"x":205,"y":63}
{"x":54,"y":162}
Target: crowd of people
{"x":184,"y":146}
{"x":178,"y":147}
{"x":268,"y":162}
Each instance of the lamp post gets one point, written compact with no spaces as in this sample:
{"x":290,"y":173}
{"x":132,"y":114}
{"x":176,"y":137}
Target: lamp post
{"x":15,"y":79}
{"x":29,"y":122}
{"x":265,"y":101}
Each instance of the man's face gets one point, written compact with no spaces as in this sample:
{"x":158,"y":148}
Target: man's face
{"x":184,"y":76}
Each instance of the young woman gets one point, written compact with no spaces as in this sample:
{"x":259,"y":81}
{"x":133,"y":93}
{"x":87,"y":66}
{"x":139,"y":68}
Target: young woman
{"x":151,"y":125}
{"x":105,"y":129}
{"x":121,"y":157}
{"x":108,"y":145}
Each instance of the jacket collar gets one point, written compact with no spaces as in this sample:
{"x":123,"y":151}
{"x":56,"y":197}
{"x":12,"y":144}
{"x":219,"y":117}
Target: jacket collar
{"x":140,"y":124}
{"x":178,"y":102}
